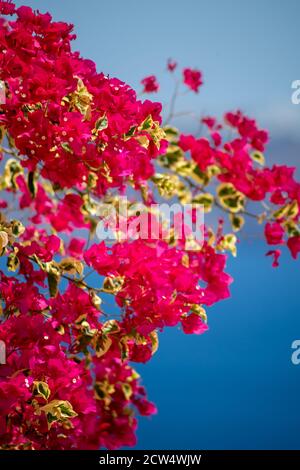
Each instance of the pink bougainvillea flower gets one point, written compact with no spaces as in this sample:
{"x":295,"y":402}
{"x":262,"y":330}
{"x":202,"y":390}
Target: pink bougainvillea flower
{"x":192,"y":324}
{"x":145,"y":407}
{"x":293,"y":244}
{"x":209,"y":121}
{"x":171,"y":65}
{"x":150,"y":84}
{"x":75,"y":247}
{"x":192,"y":78}
{"x":276,"y":255}
{"x":274,"y":233}
{"x":99,"y":257}
{"x":247,"y":129}
{"x":7,"y":7}
{"x":201,"y":150}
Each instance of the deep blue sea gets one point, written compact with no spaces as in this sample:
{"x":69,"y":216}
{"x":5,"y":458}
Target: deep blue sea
{"x":235,"y":386}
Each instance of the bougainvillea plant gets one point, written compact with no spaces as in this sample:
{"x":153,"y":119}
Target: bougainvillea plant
{"x":71,"y":139}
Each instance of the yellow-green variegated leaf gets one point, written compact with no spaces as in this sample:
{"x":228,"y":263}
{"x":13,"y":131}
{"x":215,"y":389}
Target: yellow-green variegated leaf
{"x":146,"y":124}
{"x":167,"y":184}
{"x":292,"y":229}
{"x":237,"y":222}
{"x":171,"y":133}
{"x":228,"y":243}
{"x":205,"y":199}
{"x":230,"y":198}
{"x":258,"y":157}
{"x":199,"y":310}
{"x":3,"y":240}
{"x":103,"y":391}
{"x":289,"y":211}
{"x":57,"y":410}
{"x":127,"y":390}
{"x":110,"y":327}
{"x":112,"y":285}
{"x":12,"y":169}
{"x":13,"y":262}
{"x":199,"y":176}
{"x":41,"y":389}
{"x":103,"y":344}
{"x":154,"y":341}
{"x":71,"y":266}
{"x":101,"y":124}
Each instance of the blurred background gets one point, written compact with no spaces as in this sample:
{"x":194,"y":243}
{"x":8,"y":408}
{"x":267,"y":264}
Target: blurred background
{"x":234,"y":387}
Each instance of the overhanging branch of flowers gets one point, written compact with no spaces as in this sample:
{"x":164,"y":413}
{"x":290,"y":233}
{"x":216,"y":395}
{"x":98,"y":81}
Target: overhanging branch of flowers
{"x":71,"y":139}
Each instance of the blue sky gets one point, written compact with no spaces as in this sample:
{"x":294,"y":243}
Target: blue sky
{"x":234,"y":387}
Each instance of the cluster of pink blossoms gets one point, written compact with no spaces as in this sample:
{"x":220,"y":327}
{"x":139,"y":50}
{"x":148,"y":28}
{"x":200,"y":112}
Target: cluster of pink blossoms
{"x":192,"y":78}
{"x":72,"y":138}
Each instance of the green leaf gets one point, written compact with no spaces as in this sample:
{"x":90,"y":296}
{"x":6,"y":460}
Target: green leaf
{"x":41,"y":389}
{"x":32,"y":184}
{"x":110,"y":327}
{"x":292,"y":229}
{"x":172,"y":133}
{"x":258,"y":157}
{"x":103,"y":344}
{"x":124,"y":348}
{"x":101,"y":123}
{"x":289,"y":211}
{"x":228,"y":243}
{"x":17,"y":228}
{"x":67,"y":410}
{"x":53,"y":280}
{"x":71,"y":265}
{"x":66,"y":147}
{"x":200,"y":311}
{"x":130,"y":133}
{"x":230,"y":198}
{"x":199,"y":176}
{"x":58,"y":410}
{"x":205,"y":199}
{"x":237,"y":222}
{"x":113,"y":285}
{"x":147,"y":123}
{"x":3,"y":240}
{"x":104,"y":390}
{"x":12,"y":169}
{"x":51,"y":418}
{"x":175,"y":154}
{"x":154,"y":341}
{"x":13,"y":262}
{"x":127,"y":390}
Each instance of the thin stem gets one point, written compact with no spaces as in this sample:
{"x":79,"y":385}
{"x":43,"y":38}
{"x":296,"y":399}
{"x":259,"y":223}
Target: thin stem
{"x":10,"y":152}
{"x":173,"y":102}
{"x":74,"y":280}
